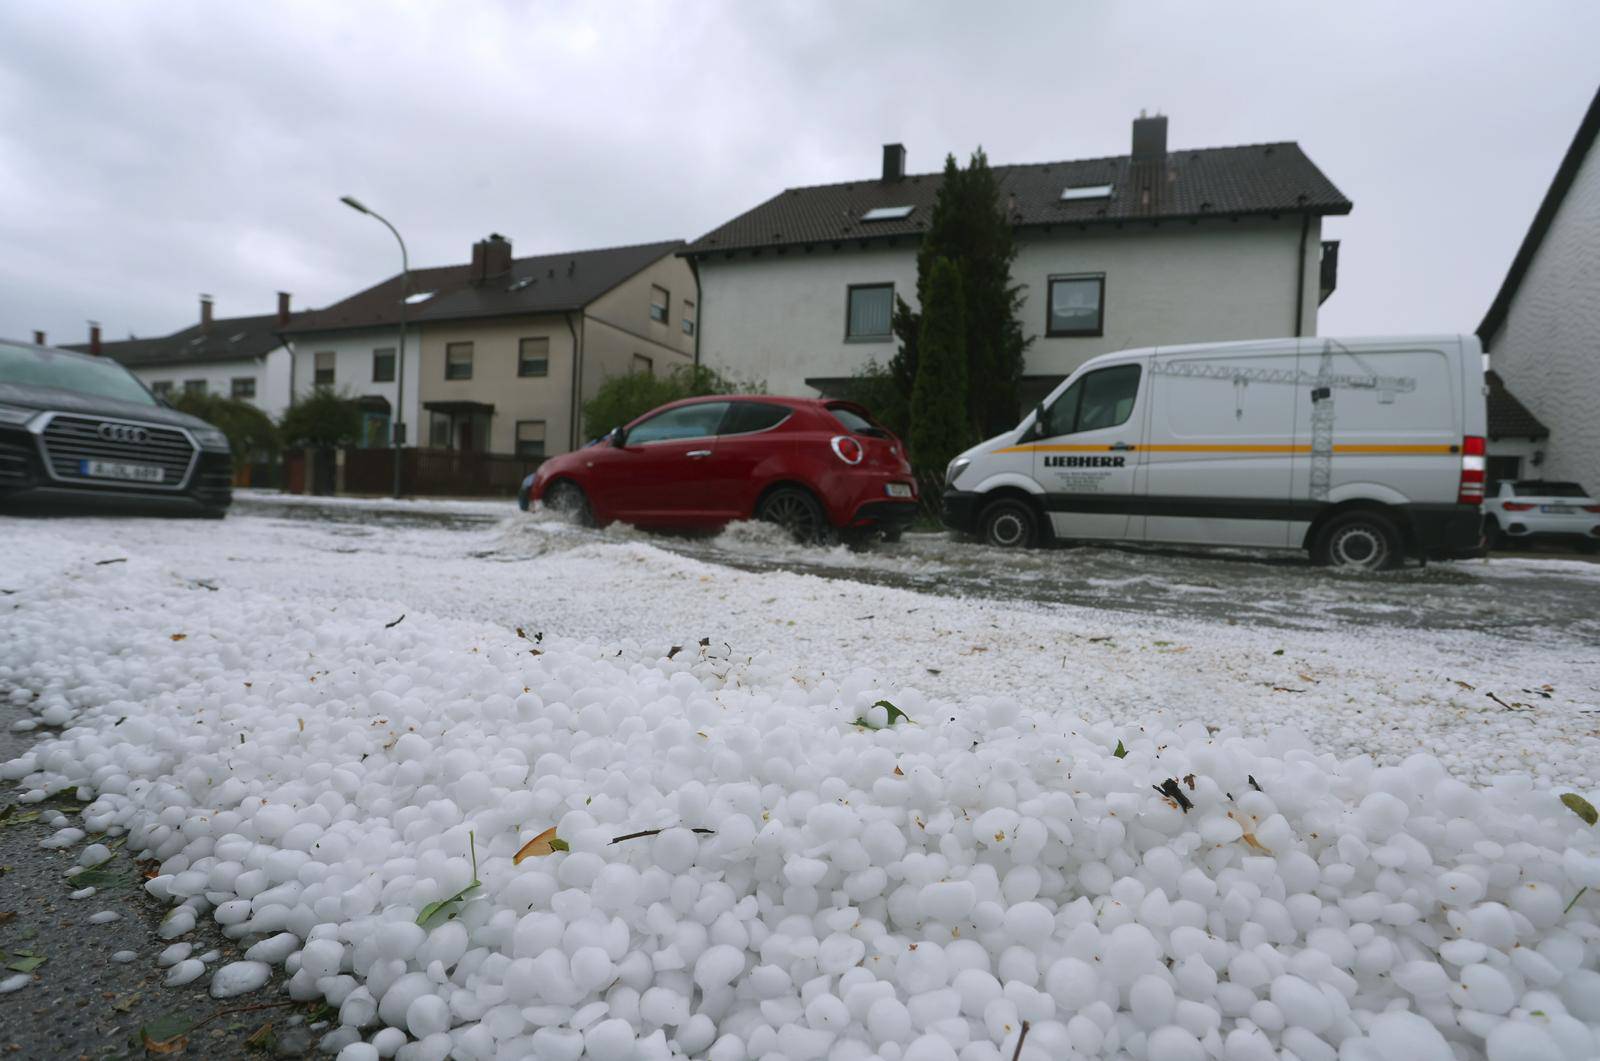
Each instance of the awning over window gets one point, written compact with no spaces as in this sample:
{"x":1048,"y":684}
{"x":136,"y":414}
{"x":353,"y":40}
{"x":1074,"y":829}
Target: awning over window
{"x":460,"y":408}
{"x":372,"y":403}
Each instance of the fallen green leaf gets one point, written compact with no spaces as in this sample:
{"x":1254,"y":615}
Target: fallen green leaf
{"x":433,"y":909}
{"x":559,"y":844}
{"x":1575,"y":899}
{"x":1580,"y":806}
{"x":1120,"y":752}
{"x":25,"y":962}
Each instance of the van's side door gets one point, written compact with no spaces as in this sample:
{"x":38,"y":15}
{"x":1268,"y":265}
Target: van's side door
{"x":1220,"y":446}
{"x":1085,"y":451}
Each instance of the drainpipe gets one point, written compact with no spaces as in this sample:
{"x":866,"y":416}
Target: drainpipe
{"x":577,"y":383}
{"x":1300,"y":278}
{"x":699,"y":308}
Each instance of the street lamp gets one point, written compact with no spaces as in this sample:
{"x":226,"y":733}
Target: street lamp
{"x":400,"y":359}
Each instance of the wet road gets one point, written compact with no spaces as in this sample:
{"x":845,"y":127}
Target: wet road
{"x":1524,"y":597}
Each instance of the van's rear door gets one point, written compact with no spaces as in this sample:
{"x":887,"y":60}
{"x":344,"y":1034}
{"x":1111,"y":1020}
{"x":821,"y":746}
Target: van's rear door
{"x":1379,"y":419}
{"x":1217,"y":452}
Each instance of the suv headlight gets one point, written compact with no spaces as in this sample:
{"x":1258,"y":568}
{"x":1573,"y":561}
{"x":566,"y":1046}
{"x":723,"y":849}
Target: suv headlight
{"x":210,"y":438}
{"x":15,"y":414}
{"x":953,"y":472}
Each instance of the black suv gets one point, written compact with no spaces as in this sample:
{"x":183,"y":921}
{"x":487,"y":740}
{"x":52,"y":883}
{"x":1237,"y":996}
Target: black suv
{"x":86,"y":425}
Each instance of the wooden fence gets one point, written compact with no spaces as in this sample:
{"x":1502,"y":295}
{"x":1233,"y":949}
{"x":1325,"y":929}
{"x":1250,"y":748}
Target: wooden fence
{"x":436,"y":472}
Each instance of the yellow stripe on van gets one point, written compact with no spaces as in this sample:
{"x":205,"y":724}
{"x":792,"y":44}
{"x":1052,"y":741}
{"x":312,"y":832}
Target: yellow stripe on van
{"x":1352,"y":449}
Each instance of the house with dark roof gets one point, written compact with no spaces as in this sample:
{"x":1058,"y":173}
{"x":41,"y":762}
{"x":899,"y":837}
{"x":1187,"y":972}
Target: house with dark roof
{"x":501,"y":352}
{"x":237,"y":357}
{"x":1156,"y":246}
{"x":1542,"y":331}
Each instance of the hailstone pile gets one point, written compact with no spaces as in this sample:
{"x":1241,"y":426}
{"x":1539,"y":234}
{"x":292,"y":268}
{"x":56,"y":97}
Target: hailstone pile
{"x":759,"y":863}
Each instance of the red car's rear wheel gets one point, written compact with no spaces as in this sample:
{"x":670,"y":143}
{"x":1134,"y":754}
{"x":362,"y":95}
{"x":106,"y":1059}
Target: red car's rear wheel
{"x":796,"y":512}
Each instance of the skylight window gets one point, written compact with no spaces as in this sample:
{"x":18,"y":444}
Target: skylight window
{"x":1086,"y":191}
{"x":887,"y":213}
{"x":518,"y":285}
{"x":419,"y":296}
{"x":236,"y":338}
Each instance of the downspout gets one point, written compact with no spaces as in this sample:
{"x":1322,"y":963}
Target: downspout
{"x":699,"y":308}
{"x":577,"y":383}
{"x":1300,"y":277}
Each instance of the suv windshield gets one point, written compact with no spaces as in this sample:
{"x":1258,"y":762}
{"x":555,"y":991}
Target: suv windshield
{"x":39,"y":366}
{"x":1535,"y":488}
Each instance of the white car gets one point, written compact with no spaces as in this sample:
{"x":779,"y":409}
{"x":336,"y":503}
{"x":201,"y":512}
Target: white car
{"x":1523,"y":509}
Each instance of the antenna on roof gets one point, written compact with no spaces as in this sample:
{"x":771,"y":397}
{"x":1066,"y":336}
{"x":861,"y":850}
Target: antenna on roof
{"x":572,"y":267}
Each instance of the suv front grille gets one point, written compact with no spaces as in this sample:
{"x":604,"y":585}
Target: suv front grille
{"x":67,"y":440}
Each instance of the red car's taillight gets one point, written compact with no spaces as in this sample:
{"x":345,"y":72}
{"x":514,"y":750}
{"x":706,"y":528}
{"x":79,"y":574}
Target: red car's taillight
{"x":1517,"y":506}
{"x":1472,"y":468}
{"x":847,"y":449}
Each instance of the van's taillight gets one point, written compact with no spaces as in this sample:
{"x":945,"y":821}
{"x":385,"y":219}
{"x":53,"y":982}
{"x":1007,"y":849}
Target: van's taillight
{"x":1472,"y":467}
{"x":1518,"y":506}
{"x":847,"y":449}
{"x":1591,"y":508}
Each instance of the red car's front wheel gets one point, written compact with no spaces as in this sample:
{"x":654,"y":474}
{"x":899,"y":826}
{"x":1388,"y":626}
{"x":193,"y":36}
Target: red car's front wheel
{"x":566,"y":500}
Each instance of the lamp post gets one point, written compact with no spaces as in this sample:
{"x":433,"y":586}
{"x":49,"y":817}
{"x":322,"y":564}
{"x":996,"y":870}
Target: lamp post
{"x":399,"y":426}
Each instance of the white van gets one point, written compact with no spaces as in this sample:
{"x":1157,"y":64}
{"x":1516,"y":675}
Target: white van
{"x":1363,"y":451}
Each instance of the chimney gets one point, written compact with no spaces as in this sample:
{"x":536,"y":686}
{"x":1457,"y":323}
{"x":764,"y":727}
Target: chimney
{"x":205,"y":313}
{"x":283,"y":308}
{"x":894,"y":162}
{"x":38,"y":338}
{"x":491,"y":258}
{"x":94,"y":338}
{"x":1150,"y":138}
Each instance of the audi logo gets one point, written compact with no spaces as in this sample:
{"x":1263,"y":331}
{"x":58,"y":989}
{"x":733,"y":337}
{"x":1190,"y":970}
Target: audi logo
{"x":123,"y":433}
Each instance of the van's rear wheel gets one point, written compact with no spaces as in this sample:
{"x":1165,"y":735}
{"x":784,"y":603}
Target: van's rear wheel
{"x":1009,"y":524}
{"x":1358,"y":541}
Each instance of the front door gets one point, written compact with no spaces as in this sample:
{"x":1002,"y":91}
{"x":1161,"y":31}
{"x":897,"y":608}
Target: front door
{"x":657,"y":476}
{"x":1085,"y":453}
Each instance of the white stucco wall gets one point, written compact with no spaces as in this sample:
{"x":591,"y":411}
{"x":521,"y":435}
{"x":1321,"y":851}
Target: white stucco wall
{"x":271,"y":374}
{"x":1548,"y":349}
{"x":353,"y":367}
{"x":781,"y":318}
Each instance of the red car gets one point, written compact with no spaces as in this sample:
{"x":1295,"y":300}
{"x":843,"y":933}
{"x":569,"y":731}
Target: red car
{"x":818,"y":467}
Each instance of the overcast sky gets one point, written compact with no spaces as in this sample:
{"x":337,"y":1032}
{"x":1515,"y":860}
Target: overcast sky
{"x":149,"y":152}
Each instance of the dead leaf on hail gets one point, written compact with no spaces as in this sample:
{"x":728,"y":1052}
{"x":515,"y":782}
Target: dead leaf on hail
{"x":899,"y":772}
{"x":1250,"y":839}
{"x":179,"y":637}
{"x":302,"y":724}
{"x":543,"y":844}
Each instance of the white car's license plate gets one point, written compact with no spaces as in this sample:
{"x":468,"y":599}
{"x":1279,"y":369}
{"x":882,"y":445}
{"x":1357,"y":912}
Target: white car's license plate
{"x":133,"y":473}
{"x":1558,"y":510}
{"x":899,"y":489}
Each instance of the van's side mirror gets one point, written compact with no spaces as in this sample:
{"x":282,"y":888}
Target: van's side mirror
{"x":1038,"y":420}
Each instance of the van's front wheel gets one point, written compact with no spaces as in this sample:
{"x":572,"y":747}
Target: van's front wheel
{"x":1009,"y":524}
{"x":1358,"y":541}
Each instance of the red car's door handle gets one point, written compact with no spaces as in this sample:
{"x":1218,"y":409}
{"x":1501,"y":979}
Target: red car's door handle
{"x":698,"y":453}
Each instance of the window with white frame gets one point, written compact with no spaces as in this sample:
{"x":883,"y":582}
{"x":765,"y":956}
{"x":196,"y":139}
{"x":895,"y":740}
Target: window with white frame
{"x":533,"y":356}
{"x":530,"y":438}
{"x":869,"y":312}
{"x":660,"y":299}
{"x":242,"y":387}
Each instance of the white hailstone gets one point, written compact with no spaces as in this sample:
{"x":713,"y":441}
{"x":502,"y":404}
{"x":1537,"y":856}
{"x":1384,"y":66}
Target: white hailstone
{"x":81,"y":893}
{"x":177,"y":923}
{"x":929,"y":1048}
{"x":1580,"y":990}
{"x":399,"y":939}
{"x":839,"y":952}
{"x":273,"y":820}
{"x":828,"y":1013}
{"x":358,"y":1052}
{"x":123,"y":957}
{"x":592,"y":968}
{"x":947,"y":901}
{"x":406,"y":989}
{"x":321,"y":957}
{"x":1030,"y":924}
{"x":888,"y":1021}
{"x":104,"y":917}
{"x":1423,"y":979}
{"x":1172,"y":1043}
{"x":185,"y":971}
{"x":174,"y":954}
{"x":1582,"y":867}
{"x":557,"y":1044}
{"x":718,"y":966}
{"x":976,"y":988}
{"x":427,"y":1015}
{"x":1151,"y":1001}
{"x":1130,"y":951}
{"x":1539,"y":903}
{"x":1301,"y":1003}
{"x":93,"y":855}
{"x":15,"y":983}
{"x":1072,"y":983}
{"x":236,"y":978}
{"x":388,"y":1041}
{"x":1483,"y":988}
{"x":662,"y":1006}
{"x":1522,"y":1041}
{"x":610,"y":1040}
{"x":924,"y":968}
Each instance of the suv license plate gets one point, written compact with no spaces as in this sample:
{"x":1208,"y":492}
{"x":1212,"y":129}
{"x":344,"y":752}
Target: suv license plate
{"x":898,"y":489}
{"x":133,"y":473}
{"x":1558,"y":510}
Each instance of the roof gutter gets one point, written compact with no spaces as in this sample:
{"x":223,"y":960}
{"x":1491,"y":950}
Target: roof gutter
{"x":1300,"y":277}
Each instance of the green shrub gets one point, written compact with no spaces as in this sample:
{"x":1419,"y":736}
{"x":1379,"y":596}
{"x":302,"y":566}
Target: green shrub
{"x":321,"y":420}
{"x":251,"y":433}
{"x":623,"y":399}
{"x":939,"y":425}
